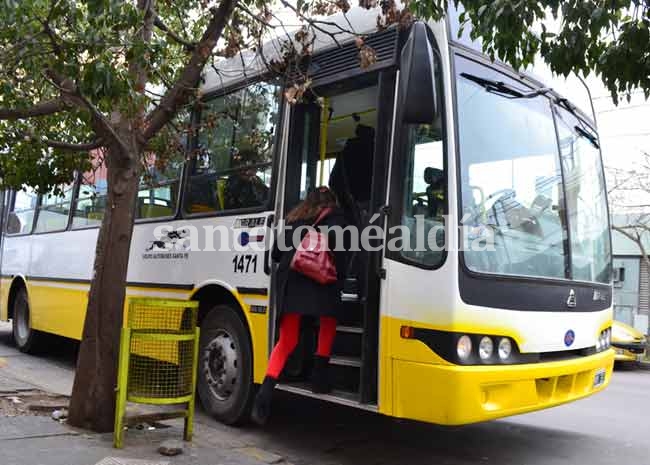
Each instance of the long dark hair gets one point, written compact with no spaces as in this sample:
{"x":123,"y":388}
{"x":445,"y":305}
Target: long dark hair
{"x":309,"y":208}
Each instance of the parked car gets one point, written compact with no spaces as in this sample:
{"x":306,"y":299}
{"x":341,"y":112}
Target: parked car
{"x":630,"y":344}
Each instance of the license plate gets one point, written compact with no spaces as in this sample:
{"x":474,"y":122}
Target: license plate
{"x":599,"y":377}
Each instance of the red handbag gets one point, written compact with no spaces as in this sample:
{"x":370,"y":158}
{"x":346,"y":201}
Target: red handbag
{"x":313,"y":258}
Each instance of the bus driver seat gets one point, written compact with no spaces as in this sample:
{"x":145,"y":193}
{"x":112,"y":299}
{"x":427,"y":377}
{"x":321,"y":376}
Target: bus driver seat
{"x":435,"y":179}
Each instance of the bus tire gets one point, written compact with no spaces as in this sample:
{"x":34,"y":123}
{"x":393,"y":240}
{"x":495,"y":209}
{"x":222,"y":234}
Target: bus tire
{"x":25,"y":337}
{"x":225,"y":372}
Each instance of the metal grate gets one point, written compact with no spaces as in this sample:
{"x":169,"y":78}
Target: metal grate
{"x":162,"y":316}
{"x":160,"y":369}
{"x":158,"y":359}
{"x":342,"y":62}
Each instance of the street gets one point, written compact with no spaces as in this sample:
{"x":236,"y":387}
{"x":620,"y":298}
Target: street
{"x":611,"y":427}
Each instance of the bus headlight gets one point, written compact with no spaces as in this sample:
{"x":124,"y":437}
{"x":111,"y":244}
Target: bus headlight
{"x":505,"y":348}
{"x":464,"y":347}
{"x":470,"y":348}
{"x":485,"y":348}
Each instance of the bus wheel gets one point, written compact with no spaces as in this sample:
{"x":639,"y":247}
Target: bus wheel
{"x":225,"y":375}
{"x":25,"y":337}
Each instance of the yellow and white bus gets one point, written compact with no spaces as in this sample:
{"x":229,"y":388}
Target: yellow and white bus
{"x":518,"y":320}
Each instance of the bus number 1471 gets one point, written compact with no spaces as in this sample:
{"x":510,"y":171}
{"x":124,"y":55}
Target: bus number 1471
{"x":244,"y":263}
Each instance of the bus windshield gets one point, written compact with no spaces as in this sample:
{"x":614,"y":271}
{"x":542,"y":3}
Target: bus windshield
{"x":520,"y":191}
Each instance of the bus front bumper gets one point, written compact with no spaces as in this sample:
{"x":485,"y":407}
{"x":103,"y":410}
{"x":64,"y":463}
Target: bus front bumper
{"x":629,"y":352}
{"x":456,"y":395}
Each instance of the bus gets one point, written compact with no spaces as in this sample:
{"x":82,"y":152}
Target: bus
{"x":506,"y":310}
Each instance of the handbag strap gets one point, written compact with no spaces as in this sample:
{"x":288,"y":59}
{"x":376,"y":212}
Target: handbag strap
{"x":321,"y":216}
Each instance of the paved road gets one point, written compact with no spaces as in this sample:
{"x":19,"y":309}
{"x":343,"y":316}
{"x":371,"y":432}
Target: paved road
{"x":611,"y":427}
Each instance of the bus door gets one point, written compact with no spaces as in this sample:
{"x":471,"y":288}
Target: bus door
{"x":417,"y":202}
{"x":340,"y":139}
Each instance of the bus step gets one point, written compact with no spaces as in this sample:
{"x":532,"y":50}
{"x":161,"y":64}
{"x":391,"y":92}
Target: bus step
{"x":349,"y":329}
{"x":348,"y":341}
{"x":347,"y":297}
{"x":350,"y":399}
{"x":345,"y":361}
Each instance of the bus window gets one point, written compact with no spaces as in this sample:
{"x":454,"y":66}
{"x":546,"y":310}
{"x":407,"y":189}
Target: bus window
{"x":21,"y":217}
{"x":232,"y":159}
{"x":159,"y":188}
{"x":511,"y":180}
{"x":54,"y":210}
{"x":425,"y":195}
{"x":584,"y":190}
{"x":91,"y":203}
{"x":160,"y":181}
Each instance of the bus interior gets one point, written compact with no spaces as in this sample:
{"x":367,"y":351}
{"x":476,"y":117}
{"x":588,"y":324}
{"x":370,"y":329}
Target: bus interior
{"x":337,"y":126}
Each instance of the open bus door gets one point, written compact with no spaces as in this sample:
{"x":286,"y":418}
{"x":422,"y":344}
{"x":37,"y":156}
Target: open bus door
{"x":322,"y":128}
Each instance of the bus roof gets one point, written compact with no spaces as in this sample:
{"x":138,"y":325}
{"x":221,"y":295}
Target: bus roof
{"x":250,"y":64}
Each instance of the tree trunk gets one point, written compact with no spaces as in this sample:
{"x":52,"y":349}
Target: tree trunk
{"x":93,"y":395}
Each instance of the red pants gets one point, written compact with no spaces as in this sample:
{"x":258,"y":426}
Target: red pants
{"x":289,"y":335}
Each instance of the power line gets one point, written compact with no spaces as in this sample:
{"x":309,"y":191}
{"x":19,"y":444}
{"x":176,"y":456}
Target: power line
{"x":624,"y":108}
{"x":631,"y":134}
{"x":600,"y":97}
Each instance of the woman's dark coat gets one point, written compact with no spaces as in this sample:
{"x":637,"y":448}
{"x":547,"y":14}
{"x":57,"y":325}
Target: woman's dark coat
{"x":299,"y":294}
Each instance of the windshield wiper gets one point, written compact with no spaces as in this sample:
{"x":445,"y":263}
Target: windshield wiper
{"x":582,"y":128}
{"x":503,"y":89}
{"x":587,"y":135}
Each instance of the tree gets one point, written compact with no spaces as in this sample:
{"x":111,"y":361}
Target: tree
{"x":608,"y":38}
{"x":629,"y":198}
{"x":115,"y":76}
{"x":74,"y":79}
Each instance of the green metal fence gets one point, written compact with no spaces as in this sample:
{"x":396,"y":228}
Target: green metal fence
{"x":158,"y":362}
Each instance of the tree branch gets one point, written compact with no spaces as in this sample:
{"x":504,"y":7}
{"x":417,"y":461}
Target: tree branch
{"x":255,"y":17}
{"x":85,"y":147}
{"x":56,"y":144}
{"x":636,"y":239}
{"x":138,"y":68}
{"x":189,"y":46}
{"x":70,"y":94}
{"x":179,"y":94}
{"x":46,"y":108}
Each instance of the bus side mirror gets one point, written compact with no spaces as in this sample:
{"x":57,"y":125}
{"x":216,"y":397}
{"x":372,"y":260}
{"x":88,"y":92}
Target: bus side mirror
{"x":417,"y":86}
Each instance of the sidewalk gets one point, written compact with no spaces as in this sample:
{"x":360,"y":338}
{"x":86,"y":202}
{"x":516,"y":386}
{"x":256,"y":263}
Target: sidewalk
{"x":39,"y":440}
{"x":33,"y":438}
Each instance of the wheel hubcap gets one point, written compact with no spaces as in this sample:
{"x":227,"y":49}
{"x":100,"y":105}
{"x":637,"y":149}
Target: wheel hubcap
{"x":220,"y":360}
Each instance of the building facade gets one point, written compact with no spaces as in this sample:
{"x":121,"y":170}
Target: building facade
{"x":631,"y":283}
